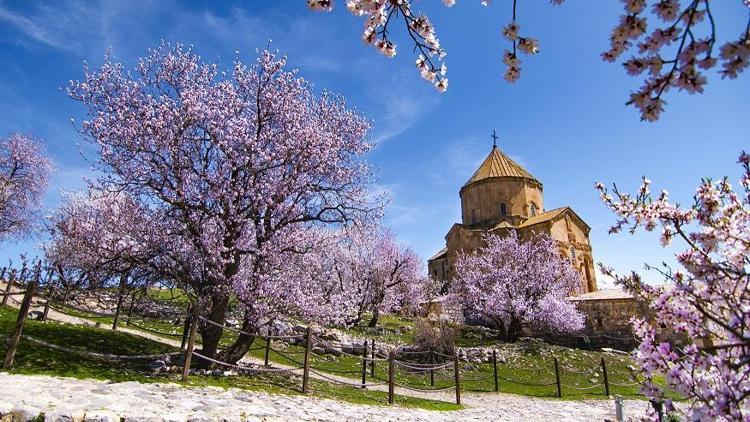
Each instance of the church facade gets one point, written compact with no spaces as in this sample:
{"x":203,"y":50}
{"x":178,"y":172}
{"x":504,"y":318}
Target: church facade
{"x":501,"y":196}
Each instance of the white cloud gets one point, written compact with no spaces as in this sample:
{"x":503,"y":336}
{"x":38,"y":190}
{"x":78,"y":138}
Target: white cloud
{"x":29,"y":28}
{"x":398,"y":102}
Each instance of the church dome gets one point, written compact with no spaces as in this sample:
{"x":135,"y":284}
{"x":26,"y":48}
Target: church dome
{"x":497,"y":164}
{"x":500,"y":190}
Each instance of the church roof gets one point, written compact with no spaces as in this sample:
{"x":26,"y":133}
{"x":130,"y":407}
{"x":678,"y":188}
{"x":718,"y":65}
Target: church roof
{"x":497,"y":164}
{"x":441,"y":253}
{"x":553,"y":214}
{"x":503,"y":225}
{"x":542,"y":217}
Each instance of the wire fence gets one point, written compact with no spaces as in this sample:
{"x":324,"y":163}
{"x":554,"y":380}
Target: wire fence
{"x":405,"y":368}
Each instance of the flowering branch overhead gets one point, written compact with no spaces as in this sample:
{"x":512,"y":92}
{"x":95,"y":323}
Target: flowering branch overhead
{"x":674,"y":55}
{"x":708,"y":300}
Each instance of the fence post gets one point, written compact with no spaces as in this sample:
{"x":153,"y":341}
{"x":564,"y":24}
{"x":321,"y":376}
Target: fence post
{"x":606,"y":379}
{"x":20,"y":321}
{"x":372,"y":362}
{"x":557,"y":378}
{"x":456,"y":376}
{"x":9,"y":286}
{"x":190,"y":345}
{"x":268,"y":350}
{"x":185,"y":327}
{"x":306,"y":371}
{"x":364,"y":363}
{"x":2,"y":276}
{"x":494,"y":368}
{"x":432,"y":377}
{"x":390,"y":377}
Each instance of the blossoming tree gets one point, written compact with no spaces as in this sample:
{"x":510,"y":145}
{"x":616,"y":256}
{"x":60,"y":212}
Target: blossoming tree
{"x":674,"y":55}
{"x":233,"y":166}
{"x":24,"y":173}
{"x":104,"y":238}
{"x":511,"y":283}
{"x":707,"y":300}
{"x":361,"y":271}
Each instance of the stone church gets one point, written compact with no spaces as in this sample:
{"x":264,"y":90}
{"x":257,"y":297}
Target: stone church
{"x":500,"y":196}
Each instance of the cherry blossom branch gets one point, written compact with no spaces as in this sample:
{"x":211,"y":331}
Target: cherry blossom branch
{"x":689,"y":61}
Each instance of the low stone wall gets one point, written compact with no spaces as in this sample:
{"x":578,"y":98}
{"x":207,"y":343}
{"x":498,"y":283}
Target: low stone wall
{"x":607,"y":324}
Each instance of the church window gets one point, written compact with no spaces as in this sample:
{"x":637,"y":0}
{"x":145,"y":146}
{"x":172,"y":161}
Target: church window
{"x":599,"y":323}
{"x":573,"y":252}
{"x":532,"y":209}
{"x":473,"y":216}
{"x":503,"y":209}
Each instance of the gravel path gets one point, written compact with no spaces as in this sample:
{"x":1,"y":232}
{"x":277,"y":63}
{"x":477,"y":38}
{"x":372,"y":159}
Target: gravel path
{"x":66,"y":399}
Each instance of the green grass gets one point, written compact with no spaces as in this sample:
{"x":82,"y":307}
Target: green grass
{"x":527,"y":369}
{"x":580,"y":370}
{"x":577,"y":367}
{"x":36,"y":359}
{"x":154,"y":324}
{"x":389,"y":329}
{"x":173,"y":296}
{"x":32,"y":358}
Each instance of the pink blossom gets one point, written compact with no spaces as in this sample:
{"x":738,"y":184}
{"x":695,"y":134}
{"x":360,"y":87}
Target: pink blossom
{"x":24,"y":174}
{"x":235,"y":172}
{"x":708,"y":301}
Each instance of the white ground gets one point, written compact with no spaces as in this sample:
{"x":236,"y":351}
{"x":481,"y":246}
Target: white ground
{"x":71,"y":399}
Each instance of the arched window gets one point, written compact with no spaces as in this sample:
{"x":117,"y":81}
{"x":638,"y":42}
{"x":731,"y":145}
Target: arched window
{"x":573,"y":253}
{"x":503,"y":209}
{"x":473,"y":216}
{"x":532,"y":209}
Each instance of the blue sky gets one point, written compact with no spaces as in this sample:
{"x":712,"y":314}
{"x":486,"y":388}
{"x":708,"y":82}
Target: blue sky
{"x":565,"y":120}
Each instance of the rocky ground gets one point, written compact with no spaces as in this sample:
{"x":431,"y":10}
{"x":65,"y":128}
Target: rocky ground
{"x":66,"y":399}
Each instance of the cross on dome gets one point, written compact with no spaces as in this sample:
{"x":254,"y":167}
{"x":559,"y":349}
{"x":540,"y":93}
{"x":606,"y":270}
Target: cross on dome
{"x":494,"y":139}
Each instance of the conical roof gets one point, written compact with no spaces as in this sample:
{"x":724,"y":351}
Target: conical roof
{"x":497,"y":164}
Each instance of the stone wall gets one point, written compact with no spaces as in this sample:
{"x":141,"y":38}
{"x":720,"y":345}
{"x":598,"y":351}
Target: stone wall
{"x":607,"y":324}
{"x":438,"y":268}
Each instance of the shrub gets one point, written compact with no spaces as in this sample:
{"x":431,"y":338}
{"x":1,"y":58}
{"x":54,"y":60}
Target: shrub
{"x":435,"y":338}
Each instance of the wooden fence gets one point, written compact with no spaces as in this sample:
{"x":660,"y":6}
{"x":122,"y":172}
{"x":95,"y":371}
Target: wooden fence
{"x":397,"y":359}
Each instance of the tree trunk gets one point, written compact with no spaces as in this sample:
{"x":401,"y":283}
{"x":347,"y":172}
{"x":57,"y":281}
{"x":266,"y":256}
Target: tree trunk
{"x":375,"y":314}
{"x":240,"y":347}
{"x":514,"y":330}
{"x":132,"y":303}
{"x":65,"y":296}
{"x":211,"y":334}
{"x":120,"y":296}
{"x":354,"y":321}
{"x":500,"y":326}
